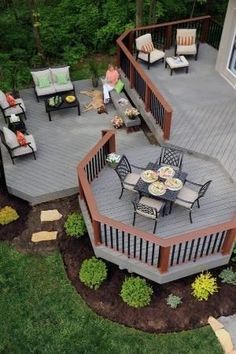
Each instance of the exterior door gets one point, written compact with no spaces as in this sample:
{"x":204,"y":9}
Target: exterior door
{"x":232,"y":59}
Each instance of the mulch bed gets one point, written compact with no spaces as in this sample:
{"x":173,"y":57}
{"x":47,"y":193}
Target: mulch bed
{"x":106,"y":301}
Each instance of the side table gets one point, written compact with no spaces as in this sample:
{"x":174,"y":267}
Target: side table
{"x":19,"y":125}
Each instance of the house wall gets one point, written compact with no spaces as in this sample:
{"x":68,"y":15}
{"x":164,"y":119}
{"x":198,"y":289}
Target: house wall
{"x":229,"y":31}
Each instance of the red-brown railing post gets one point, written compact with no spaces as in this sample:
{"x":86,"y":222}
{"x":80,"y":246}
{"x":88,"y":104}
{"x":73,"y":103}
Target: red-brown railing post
{"x":164,"y":255}
{"x":167,"y":125}
{"x":131,"y":41}
{"x":229,"y":240}
{"x":168,"y":37}
{"x":205,"y":30}
{"x":112,"y":144}
{"x":96,"y":232}
{"x":147,"y":98}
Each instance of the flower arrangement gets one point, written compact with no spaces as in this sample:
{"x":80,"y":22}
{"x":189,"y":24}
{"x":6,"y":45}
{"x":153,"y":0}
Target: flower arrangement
{"x":117,"y":122}
{"x":113,"y":159}
{"x":131,"y":113}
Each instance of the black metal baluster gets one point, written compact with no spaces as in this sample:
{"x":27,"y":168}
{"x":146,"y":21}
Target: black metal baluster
{"x":179,"y":251}
{"x":214,"y":244}
{"x":196,"y":251}
{"x":117,"y":240}
{"x":172,"y":255}
{"x":221,"y":241}
{"x":209,"y":245}
{"x":191,"y":250}
{"x":105,"y":234}
{"x":128,"y":244}
{"x":111,"y":236}
{"x":135,"y":240}
{"x":123,"y":242}
{"x":153,"y":253}
{"x":140,"y":248}
{"x":185,"y":251}
{"x":203,"y":246}
{"x":146,"y":254}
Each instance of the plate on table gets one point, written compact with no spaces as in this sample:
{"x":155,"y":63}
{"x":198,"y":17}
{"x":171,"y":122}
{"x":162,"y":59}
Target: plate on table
{"x":157,"y":188}
{"x":174,"y":184}
{"x":149,"y":176}
{"x":166,"y":172}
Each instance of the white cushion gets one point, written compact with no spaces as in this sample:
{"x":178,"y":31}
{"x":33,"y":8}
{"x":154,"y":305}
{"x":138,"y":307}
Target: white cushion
{"x":37,"y":74}
{"x":154,"y":55}
{"x":186,"y":194}
{"x":3,"y":100}
{"x":45,"y":91}
{"x":186,"y":32}
{"x":131,"y":178}
{"x":177,"y":63}
{"x":16,"y":109}
{"x":55,"y":71}
{"x":23,"y":150}
{"x":186,"y":49}
{"x":140,"y":41}
{"x":10,"y":138}
{"x":153,"y":203}
{"x":64,"y":87}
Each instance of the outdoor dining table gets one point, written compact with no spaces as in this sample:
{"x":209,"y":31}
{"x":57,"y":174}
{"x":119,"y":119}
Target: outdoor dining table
{"x":169,"y":196}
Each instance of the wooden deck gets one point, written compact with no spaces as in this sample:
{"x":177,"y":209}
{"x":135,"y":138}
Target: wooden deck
{"x":61,"y":144}
{"x":218,"y":205}
{"x":204,"y":108}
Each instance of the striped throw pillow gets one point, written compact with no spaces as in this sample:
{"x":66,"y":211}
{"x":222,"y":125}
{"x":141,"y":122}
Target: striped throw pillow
{"x":147,"y":47}
{"x":188,"y":40}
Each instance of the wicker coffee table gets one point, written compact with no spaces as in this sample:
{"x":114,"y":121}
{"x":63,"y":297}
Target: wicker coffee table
{"x":176,"y":63}
{"x":63,"y":105}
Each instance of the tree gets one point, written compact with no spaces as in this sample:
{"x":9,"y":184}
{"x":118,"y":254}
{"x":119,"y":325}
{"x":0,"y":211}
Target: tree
{"x":152,"y":12}
{"x":194,"y":5}
{"x":139,"y":13}
{"x":35,"y":16}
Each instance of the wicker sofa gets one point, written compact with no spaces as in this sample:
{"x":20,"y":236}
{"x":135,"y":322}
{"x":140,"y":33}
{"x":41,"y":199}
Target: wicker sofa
{"x":49,"y":81}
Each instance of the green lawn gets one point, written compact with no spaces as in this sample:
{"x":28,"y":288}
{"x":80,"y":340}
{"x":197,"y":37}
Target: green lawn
{"x":42,"y":313}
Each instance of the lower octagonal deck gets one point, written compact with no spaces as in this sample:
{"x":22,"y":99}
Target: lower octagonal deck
{"x":218,"y":205}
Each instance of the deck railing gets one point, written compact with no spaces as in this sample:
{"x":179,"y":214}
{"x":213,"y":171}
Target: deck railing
{"x":165,"y":34}
{"x":140,"y":245}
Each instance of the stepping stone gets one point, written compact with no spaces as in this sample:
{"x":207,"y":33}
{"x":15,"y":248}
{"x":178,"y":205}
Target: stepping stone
{"x":225,"y":340}
{"x":215,"y":324}
{"x":44,"y":236}
{"x":50,"y":215}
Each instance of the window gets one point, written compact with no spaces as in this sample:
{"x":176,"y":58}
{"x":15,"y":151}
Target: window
{"x":232,"y":60}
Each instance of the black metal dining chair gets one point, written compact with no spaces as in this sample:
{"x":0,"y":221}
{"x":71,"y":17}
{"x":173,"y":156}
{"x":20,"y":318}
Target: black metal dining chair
{"x":170,"y":156}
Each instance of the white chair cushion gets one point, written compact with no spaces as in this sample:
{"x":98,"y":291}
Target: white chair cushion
{"x":186,"y":49}
{"x":177,"y":64}
{"x":131,"y":178}
{"x":3,"y":100}
{"x":65,"y":87}
{"x":26,"y":149}
{"x":45,"y":91}
{"x":140,"y":41}
{"x":153,"y":203}
{"x":154,"y":55}
{"x":186,"y":194}
{"x":10,"y":138}
{"x":63,"y":70}
{"x":16,"y":109}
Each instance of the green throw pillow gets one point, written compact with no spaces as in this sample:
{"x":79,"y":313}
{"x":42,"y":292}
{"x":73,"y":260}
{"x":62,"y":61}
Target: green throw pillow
{"x":44,"y":81}
{"x":119,"y":86}
{"x":61,"y":78}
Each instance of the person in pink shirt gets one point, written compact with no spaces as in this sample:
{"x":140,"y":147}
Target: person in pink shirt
{"x":112,"y":76}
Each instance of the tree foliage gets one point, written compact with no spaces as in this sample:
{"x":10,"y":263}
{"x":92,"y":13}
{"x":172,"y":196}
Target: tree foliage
{"x":46,"y":32}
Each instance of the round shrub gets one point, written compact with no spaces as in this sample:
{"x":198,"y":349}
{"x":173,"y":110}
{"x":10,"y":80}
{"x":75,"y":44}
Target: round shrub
{"x":203,"y":286}
{"x":93,"y":272}
{"x":75,"y":225}
{"x":7,"y":215}
{"x":136,"y":292}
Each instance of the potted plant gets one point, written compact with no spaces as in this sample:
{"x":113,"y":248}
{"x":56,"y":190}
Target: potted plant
{"x":131,"y":113}
{"x":93,"y":67}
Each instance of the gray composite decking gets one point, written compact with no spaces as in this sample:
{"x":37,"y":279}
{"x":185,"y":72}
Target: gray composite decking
{"x":204,"y":107}
{"x":218,"y":205}
{"x":61,"y":144}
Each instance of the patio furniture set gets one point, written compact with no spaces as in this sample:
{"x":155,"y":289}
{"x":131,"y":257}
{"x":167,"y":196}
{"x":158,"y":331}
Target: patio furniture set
{"x":186,"y":44}
{"x":55,"y":87}
{"x":160,"y":185}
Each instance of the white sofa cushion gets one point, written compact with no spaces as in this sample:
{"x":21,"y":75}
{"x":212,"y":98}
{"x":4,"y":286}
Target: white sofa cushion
{"x":3,"y":100}
{"x":17,"y":109}
{"x":65,"y":87}
{"x":10,"y":138}
{"x":63,"y":70}
{"x":42,"y":73}
{"x":23,"y":150}
{"x":45,"y":91}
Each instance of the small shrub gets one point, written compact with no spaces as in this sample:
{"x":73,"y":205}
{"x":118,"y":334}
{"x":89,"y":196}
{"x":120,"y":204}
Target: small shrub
{"x":7,"y":215}
{"x":173,"y":301}
{"x":228,"y":276}
{"x":93,"y":272}
{"x":136,"y":292}
{"x":75,"y":225}
{"x":203,"y":286}
{"x":234,"y":254}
